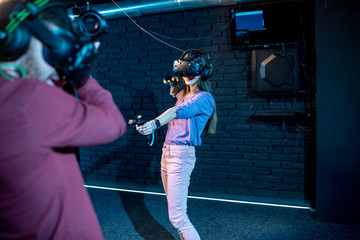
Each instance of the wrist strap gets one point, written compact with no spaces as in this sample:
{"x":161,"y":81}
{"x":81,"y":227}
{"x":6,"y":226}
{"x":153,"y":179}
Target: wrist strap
{"x":153,"y":122}
{"x":152,"y":135}
{"x":157,"y":123}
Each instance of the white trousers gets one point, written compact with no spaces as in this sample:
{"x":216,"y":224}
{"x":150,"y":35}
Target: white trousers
{"x":177,"y":164}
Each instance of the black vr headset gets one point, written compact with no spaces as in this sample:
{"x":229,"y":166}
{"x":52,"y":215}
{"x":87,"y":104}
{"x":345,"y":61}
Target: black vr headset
{"x":71,"y":53}
{"x":191,"y":64}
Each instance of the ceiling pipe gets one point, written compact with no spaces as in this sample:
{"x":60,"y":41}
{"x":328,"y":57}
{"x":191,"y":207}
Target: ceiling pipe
{"x":146,"y":7}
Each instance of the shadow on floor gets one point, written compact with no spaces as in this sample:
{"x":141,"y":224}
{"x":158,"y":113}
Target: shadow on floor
{"x":135,"y":208}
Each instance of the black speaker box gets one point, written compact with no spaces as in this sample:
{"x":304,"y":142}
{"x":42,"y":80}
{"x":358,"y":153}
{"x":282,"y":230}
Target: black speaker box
{"x":275,"y":71}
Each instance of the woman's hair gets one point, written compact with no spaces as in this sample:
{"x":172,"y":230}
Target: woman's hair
{"x":202,"y":86}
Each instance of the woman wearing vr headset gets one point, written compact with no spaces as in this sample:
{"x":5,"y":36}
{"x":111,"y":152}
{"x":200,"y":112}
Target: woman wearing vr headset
{"x":42,"y":194}
{"x":193,"y":112}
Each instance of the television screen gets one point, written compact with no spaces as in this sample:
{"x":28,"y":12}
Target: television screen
{"x":266,"y":26}
{"x":249,"y":21}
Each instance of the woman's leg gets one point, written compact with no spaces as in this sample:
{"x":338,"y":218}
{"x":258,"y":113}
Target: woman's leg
{"x":179,"y":163}
{"x":163,"y":168}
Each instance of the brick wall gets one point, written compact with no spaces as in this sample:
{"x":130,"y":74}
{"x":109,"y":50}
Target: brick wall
{"x":245,"y":157}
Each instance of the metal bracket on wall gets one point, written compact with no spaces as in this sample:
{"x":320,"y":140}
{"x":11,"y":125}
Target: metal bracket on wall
{"x":281,"y":116}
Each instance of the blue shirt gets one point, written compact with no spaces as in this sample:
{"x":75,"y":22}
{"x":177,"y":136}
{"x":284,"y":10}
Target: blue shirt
{"x":193,"y":112}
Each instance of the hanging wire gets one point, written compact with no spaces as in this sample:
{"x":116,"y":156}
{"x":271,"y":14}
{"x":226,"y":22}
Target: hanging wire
{"x":144,"y":30}
{"x":152,"y":34}
{"x":189,"y":39}
{"x":201,"y":38}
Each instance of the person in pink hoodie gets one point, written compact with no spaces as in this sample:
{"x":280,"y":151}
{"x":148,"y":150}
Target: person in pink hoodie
{"x":42,"y":194}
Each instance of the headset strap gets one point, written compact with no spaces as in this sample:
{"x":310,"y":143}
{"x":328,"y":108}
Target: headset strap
{"x":32,"y":9}
{"x":18,"y":16}
{"x":40,"y":31}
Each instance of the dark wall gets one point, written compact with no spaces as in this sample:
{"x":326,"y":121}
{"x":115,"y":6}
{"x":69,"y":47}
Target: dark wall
{"x":245,"y":157}
{"x":338,"y":115}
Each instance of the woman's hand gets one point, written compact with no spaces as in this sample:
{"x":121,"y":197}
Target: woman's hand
{"x":146,"y":128}
{"x":174,"y":90}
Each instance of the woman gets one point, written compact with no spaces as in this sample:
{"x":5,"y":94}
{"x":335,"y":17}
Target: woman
{"x":193,"y":111}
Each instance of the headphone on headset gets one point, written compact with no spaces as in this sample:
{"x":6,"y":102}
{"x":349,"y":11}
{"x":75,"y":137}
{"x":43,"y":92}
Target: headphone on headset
{"x":193,"y":66}
{"x":70,"y":52}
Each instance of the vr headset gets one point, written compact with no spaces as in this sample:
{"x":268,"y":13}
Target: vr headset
{"x":70,"y":52}
{"x":193,"y":66}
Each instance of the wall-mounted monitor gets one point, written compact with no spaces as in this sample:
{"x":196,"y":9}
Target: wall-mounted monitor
{"x":266,"y":26}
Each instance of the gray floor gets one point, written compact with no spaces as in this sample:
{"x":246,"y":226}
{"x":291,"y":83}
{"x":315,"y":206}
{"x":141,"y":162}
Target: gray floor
{"x":137,"y":216}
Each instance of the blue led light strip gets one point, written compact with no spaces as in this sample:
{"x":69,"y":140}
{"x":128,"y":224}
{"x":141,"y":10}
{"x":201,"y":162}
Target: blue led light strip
{"x":158,"y":5}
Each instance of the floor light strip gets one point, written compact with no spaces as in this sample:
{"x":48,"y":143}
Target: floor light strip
{"x":203,"y":198}
{"x":124,"y":190}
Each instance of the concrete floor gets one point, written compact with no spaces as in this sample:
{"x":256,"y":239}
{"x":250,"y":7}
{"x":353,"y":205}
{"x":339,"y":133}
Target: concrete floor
{"x":136,"y":216}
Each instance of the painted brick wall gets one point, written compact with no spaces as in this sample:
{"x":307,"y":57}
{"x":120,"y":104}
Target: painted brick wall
{"x":245,"y":157}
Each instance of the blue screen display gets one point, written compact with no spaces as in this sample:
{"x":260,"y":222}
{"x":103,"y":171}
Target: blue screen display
{"x":251,"y":21}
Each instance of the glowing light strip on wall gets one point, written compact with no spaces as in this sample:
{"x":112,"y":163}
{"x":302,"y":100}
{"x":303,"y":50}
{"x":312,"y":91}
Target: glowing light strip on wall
{"x":138,"y":7}
{"x":203,"y":198}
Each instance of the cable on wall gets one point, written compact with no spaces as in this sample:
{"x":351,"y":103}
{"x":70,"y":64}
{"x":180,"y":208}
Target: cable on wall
{"x":200,"y":38}
{"x":144,"y":30}
{"x":152,"y":34}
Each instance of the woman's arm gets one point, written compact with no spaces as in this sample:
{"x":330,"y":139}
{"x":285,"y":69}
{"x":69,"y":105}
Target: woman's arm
{"x":164,"y":119}
{"x":167,"y":116}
